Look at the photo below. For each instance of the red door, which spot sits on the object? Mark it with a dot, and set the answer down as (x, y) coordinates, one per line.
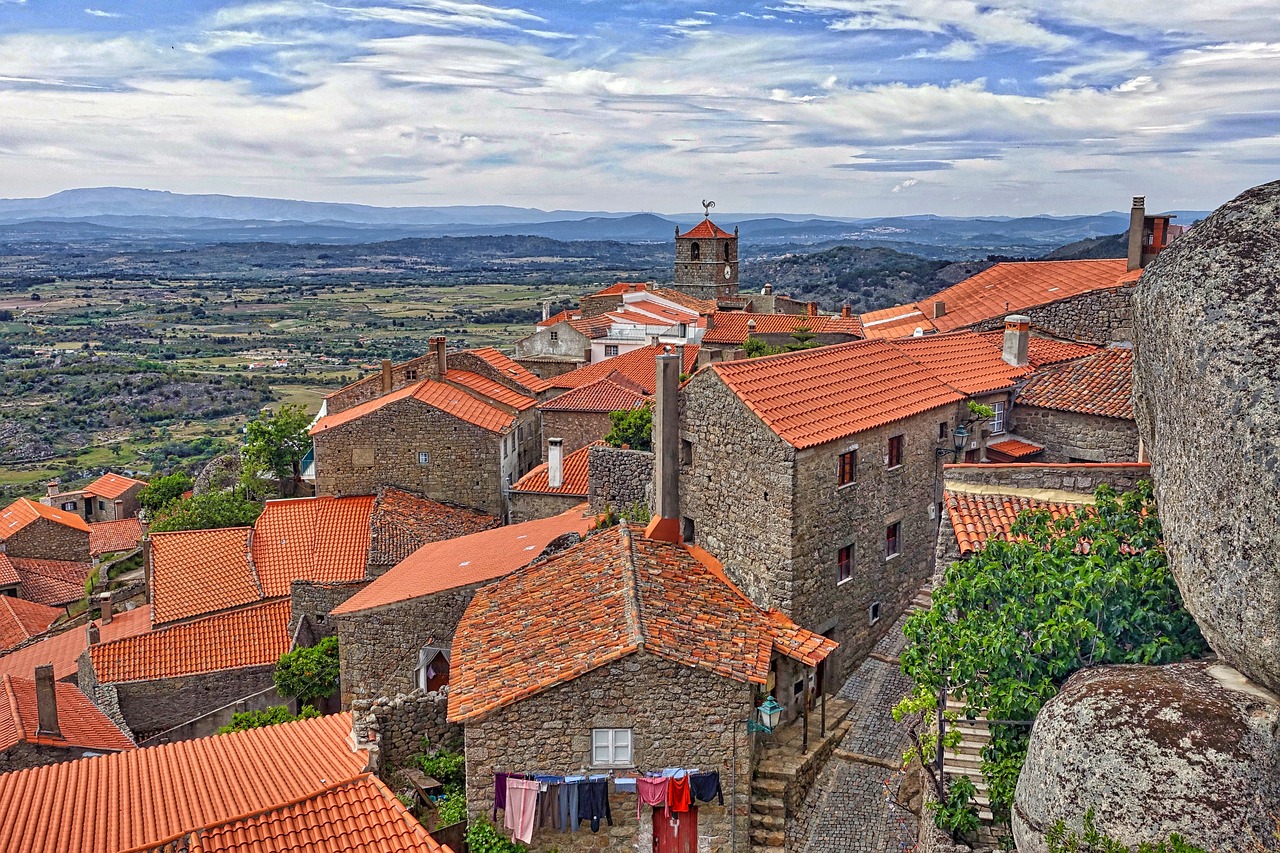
(677, 833)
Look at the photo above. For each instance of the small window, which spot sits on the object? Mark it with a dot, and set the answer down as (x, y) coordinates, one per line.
(610, 350)
(873, 613)
(432, 672)
(555, 336)
(894, 458)
(892, 541)
(69, 506)
(687, 530)
(997, 420)
(848, 467)
(411, 375)
(611, 748)
(798, 688)
(520, 434)
(844, 564)
(726, 251)
(686, 452)
(944, 430)
(102, 505)
(695, 252)
(424, 458)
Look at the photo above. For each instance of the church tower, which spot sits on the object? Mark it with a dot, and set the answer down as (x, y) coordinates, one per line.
(707, 259)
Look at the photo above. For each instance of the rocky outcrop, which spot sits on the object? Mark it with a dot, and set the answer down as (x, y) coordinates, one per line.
(219, 474)
(1190, 748)
(1207, 394)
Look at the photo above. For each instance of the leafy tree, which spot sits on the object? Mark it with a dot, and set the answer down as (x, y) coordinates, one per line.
(243, 720)
(309, 673)
(754, 348)
(804, 339)
(157, 495)
(1010, 623)
(206, 512)
(633, 427)
(274, 445)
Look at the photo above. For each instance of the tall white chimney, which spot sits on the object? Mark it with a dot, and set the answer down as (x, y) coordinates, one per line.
(666, 521)
(555, 462)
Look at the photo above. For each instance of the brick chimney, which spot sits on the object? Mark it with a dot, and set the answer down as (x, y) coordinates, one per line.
(146, 564)
(46, 702)
(104, 608)
(387, 380)
(666, 450)
(846, 311)
(442, 360)
(51, 489)
(1137, 219)
(555, 462)
(1017, 337)
(939, 309)
(813, 309)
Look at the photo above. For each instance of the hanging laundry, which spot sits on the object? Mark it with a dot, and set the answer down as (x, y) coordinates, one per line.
(521, 809)
(570, 796)
(624, 785)
(593, 803)
(650, 792)
(678, 799)
(500, 791)
(705, 786)
(548, 805)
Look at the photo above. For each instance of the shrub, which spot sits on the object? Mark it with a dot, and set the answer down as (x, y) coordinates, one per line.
(206, 512)
(633, 428)
(243, 720)
(452, 809)
(483, 837)
(310, 672)
(1090, 840)
(157, 495)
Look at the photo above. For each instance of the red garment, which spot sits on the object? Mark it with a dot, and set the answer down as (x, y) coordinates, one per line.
(650, 792)
(678, 797)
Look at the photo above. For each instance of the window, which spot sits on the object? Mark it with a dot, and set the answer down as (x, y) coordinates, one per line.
(894, 457)
(611, 747)
(610, 350)
(848, 467)
(520, 433)
(686, 452)
(555, 336)
(102, 505)
(69, 506)
(433, 669)
(873, 613)
(695, 252)
(726, 252)
(892, 545)
(944, 430)
(844, 565)
(687, 530)
(424, 458)
(411, 375)
(997, 420)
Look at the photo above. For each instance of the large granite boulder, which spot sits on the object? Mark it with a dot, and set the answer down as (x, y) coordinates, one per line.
(1191, 748)
(1207, 394)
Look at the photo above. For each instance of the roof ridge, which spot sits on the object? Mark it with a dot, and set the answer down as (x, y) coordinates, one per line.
(253, 566)
(630, 589)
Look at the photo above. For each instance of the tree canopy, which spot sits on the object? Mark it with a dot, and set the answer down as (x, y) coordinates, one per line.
(633, 428)
(157, 495)
(309, 673)
(274, 444)
(207, 511)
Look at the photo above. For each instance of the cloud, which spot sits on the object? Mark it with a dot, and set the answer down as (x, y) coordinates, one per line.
(905, 185)
(98, 13)
(896, 166)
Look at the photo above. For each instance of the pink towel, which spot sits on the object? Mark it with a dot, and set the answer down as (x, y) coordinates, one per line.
(650, 792)
(522, 808)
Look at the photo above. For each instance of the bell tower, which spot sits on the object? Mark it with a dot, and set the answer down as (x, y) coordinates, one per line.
(707, 259)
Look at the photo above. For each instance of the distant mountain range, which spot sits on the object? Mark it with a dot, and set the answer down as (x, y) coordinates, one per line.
(114, 215)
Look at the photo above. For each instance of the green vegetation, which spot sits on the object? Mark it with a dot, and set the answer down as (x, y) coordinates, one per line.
(1010, 623)
(452, 809)
(445, 765)
(754, 348)
(1090, 840)
(309, 673)
(242, 720)
(162, 492)
(484, 837)
(206, 512)
(632, 428)
(637, 514)
(274, 445)
(802, 338)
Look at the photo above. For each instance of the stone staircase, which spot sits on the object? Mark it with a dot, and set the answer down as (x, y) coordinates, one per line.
(966, 759)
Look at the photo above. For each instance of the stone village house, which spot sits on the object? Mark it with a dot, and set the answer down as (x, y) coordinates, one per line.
(44, 553)
(43, 721)
(111, 497)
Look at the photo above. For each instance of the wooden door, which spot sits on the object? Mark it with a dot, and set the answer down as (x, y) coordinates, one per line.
(677, 833)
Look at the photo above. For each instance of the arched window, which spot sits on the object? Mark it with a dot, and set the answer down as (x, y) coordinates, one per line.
(695, 252)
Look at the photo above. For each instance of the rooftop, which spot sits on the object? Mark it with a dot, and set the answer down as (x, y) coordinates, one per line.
(613, 393)
(495, 391)
(52, 582)
(706, 229)
(63, 650)
(81, 723)
(454, 401)
(200, 571)
(21, 620)
(637, 366)
(112, 486)
(402, 522)
(466, 560)
(511, 369)
(22, 512)
(316, 539)
(1014, 448)
(983, 514)
(1042, 351)
(966, 361)
(574, 475)
(109, 537)
(733, 327)
(601, 600)
(1099, 384)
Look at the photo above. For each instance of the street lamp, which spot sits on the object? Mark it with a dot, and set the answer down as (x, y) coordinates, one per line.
(959, 436)
(770, 714)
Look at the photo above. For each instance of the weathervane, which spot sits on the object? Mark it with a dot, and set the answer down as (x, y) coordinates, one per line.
(706, 208)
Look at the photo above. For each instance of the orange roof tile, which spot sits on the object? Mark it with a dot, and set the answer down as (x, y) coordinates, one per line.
(112, 486)
(402, 522)
(200, 571)
(620, 287)
(81, 723)
(359, 411)
(486, 387)
(22, 512)
(610, 394)
(733, 327)
(693, 303)
(599, 601)
(1014, 448)
(900, 321)
(975, 518)
(448, 399)
(316, 539)
(8, 574)
(562, 317)
(574, 480)
(51, 581)
(467, 560)
(108, 537)
(126, 800)
(649, 312)
(638, 366)
(964, 360)
(1042, 351)
(504, 365)
(593, 327)
(706, 229)
(1100, 384)
(818, 395)
(252, 636)
(63, 650)
(21, 620)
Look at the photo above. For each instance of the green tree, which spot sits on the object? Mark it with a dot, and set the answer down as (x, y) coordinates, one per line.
(242, 720)
(803, 338)
(633, 427)
(1010, 623)
(754, 348)
(274, 445)
(208, 511)
(309, 673)
(157, 495)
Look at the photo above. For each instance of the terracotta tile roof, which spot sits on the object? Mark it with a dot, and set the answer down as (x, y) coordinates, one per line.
(493, 390)
(112, 486)
(638, 366)
(610, 394)
(22, 512)
(200, 571)
(109, 537)
(819, 395)
(82, 724)
(593, 327)
(252, 636)
(574, 475)
(1015, 449)
(448, 399)
(693, 303)
(317, 539)
(975, 518)
(402, 522)
(651, 312)
(51, 581)
(63, 650)
(144, 797)
(900, 321)
(467, 560)
(731, 327)
(620, 287)
(507, 367)
(966, 361)
(21, 620)
(1100, 384)
(706, 229)
(599, 601)
(359, 814)
(562, 317)
(8, 574)
(1042, 351)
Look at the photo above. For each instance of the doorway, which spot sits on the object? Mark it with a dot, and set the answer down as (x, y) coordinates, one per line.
(677, 833)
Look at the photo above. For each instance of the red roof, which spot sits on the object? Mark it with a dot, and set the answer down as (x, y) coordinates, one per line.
(650, 311)
(250, 637)
(574, 479)
(620, 287)
(402, 522)
(975, 518)
(733, 327)
(1101, 384)
(447, 398)
(200, 571)
(704, 230)
(8, 574)
(511, 369)
(1042, 351)
(108, 537)
(81, 723)
(1015, 449)
(316, 539)
(491, 389)
(49, 581)
(638, 366)
(599, 601)
(111, 486)
(818, 395)
(21, 620)
(899, 321)
(611, 394)
(966, 361)
(63, 650)
(466, 560)
(562, 317)
(22, 512)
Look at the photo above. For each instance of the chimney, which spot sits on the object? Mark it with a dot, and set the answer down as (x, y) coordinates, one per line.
(146, 564)
(104, 608)
(813, 309)
(939, 309)
(846, 311)
(711, 321)
(387, 381)
(92, 634)
(442, 360)
(555, 462)
(546, 309)
(1017, 335)
(46, 702)
(51, 489)
(767, 289)
(1137, 219)
(119, 502)
(666, 450)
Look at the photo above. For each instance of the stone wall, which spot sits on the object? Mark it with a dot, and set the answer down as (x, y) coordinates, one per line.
(1076, 437)
(1032, 475)
(311, 601)
(619, 478)
(578, 429)
(679, 717)
(546, 367)
(208, 723)
(1103, 316)
(378, 648)
(392, 727)
(25, 755)
(151, 707)
(370, 388)
(43, 539)
(527, 506)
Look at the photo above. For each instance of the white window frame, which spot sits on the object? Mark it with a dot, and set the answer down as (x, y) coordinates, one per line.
(608, 347)
(68, 506)
(997, 420)
(873, 613)
(424, 457)
(897, 540)
(852, 552)
(612, 747)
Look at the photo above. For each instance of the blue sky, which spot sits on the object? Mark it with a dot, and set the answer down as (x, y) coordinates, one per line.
(844, 107)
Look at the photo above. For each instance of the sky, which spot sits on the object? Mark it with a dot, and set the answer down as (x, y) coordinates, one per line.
(836, 107)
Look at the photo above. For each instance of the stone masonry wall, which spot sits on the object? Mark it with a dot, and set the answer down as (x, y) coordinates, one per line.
(619, 478)
(370, 388)
(43, 539)
(24, 755)
(312, 601)
(1076, 437)
(378, 649)
(1105, 316)
(568, 343)
(578, 429)
(392, 727)
(527, 506)
(150, 707)
(1072, 478)
(679, 717)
